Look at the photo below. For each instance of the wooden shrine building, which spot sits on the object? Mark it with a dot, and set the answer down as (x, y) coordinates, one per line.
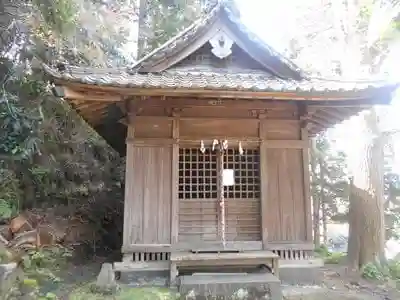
(214, 85)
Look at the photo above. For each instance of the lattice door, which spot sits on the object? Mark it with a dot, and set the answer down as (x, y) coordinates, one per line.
(243, 206)
(198, 195)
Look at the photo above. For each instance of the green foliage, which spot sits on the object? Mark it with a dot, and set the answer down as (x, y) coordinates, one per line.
(329, 185)
(333, 169)
(332, 187)
(83, 32)
(322, 251)
(43, 264)
(18, 118)
(165, 19)
(372, 271)
(59, 15)
(6, 209)
(48, 154)
(40, 267)
(85, 293)
(334, 258)
(10, 193)
(328, 256)
(387, 271)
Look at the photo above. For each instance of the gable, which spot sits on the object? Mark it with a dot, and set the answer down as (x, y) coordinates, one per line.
(204, 60)
(207, 32)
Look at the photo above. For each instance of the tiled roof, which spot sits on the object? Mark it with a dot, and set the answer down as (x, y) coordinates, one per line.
(211, 80)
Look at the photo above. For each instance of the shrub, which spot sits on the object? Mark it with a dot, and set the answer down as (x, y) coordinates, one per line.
(334, 258)
(322, 251)
(375, 271)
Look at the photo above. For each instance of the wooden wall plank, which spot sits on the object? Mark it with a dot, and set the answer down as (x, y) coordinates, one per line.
(201, 127)
(285, 195)
(281, 130)
(273, 213)
(198, 220)
(211, 128)
(152, 127)
(148, 202)
(149, 179)
(298, 206)
(286, 205)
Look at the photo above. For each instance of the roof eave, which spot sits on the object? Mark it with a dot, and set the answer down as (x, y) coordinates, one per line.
(373, 96)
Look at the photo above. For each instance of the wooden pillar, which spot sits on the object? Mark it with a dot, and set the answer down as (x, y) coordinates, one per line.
(129, 189)
(264, 183)
(306, 180)
(175, 182)
(221, 196)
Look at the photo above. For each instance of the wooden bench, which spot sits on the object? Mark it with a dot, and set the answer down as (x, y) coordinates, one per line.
(247, 258)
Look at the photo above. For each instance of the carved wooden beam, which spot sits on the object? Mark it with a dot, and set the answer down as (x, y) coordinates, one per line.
(85, 95)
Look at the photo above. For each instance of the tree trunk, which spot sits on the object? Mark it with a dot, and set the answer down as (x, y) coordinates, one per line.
(316, 202)
(141, 44)
(366, 212)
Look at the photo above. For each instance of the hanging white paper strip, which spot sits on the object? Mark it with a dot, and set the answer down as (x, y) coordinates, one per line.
(202, 148)
(228, 177)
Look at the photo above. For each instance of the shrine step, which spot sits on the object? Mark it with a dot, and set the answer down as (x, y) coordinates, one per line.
(142, 273)
(230, 286)
(142, 266)
(301, 272)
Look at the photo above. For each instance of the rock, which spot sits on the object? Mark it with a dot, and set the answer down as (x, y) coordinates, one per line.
(241, 294)
(191, 295)
(106, 282)
(3, 242)
(9, 274)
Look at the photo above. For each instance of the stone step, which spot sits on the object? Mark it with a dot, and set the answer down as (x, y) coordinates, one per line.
(142, 266)
(230, 286)
(301, 272)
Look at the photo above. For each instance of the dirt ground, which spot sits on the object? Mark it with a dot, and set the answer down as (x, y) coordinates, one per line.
(338, 284)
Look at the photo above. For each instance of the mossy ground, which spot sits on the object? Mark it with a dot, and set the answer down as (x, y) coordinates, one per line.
(125, 293)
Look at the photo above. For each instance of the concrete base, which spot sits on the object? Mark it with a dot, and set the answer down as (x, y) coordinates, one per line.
(307, 272)
(144, 278)
(230, 286)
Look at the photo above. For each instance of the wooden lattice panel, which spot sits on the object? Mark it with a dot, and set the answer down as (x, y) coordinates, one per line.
(243, 199)
(197, 174)
(247, 174)
(198, 195)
